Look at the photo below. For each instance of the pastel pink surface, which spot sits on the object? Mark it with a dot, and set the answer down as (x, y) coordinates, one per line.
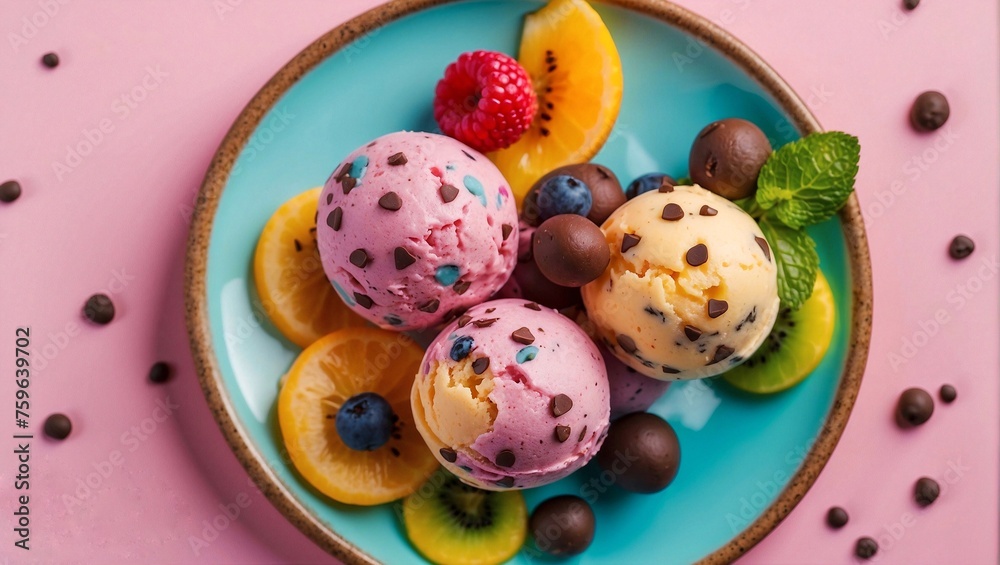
(118, 221)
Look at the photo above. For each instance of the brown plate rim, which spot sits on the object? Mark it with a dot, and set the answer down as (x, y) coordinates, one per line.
(196, 305)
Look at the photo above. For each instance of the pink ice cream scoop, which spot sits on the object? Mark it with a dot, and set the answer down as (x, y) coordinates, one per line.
(415, 227)
(512, 395)
(631, 391)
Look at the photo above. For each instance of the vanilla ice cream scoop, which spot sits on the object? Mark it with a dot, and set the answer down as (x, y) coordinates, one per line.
(691, 289)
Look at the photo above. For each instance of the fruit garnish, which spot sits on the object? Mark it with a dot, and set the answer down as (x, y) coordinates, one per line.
(563, 194)
(577, 74)
(293, 289)
(485, 100)
(794, 348)
(325, 376)
(802, 183)
(365, 422)
(452, 523)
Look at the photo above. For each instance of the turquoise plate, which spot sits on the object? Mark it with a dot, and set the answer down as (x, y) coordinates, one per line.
(746, 460)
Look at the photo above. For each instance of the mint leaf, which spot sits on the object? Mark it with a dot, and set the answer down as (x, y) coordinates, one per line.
(794, 253)
(809, 180)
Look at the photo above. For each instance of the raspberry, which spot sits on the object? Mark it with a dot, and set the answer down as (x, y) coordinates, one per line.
(485, 100)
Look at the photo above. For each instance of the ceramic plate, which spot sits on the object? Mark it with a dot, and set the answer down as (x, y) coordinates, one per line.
(746, 460)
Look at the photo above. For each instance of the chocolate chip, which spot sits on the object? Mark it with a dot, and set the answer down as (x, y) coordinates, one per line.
(961, 247)
(505, 231)
(717, 308)
(403, 258)
(343, 172)
(692, 333)
(910, 4)
(523, 336)
(583, 433)
(697, 255)
(348, 184)
(50, 60)
(57, 426)
(463, 320)
(430, 306)
(562, 433)
(390, 201)
(926, 491)
(763, 246)
(298, 246)
(10, 191)
(468, 155)
(448, 193)
(359, 258)
(672, 212)
(948, 394)
(363, 300)
(448, 454)
(666, 184)
(930, 111)
(480, 365)
(629, 241)
(461, 286)
(329, 199)
(707, 210)
(490, 310)
(505, 482)
(915, 407)
(334, 218)
(485, 322)
(866, 548)
(627, 343)
(533, 306)
(99, 309)
(505, 458)
(721, 353)
(159, 372)
(560, 405)
(669, 370)
(397, 159)
(836, 517)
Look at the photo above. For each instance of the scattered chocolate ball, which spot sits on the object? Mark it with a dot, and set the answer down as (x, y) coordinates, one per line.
(930, 111)
(836, 517)
(948, 394)
(961, 247)
(50, 60)
(57, 426)
(10, 191)
(529, 283)
(562, 526)
(605, 190)
(99, 309)
(726, 157)
(159, 372)
(914, 408)
(866, 548)
(926, 491)
(656, 453)
(910, 4)
(570, 250)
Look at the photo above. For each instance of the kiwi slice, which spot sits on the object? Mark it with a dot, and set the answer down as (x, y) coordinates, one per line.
(797, 343)
(452, 523)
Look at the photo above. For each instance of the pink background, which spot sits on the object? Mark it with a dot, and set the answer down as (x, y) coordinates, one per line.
(118, 219)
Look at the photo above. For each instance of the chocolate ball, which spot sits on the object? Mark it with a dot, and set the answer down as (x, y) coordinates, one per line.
(948, 394)
(604, 187)
(57, 426)
(866, 548)
(926, 491)
(529, 283)
(726, 157)
(930, 111)
(915, 407)
(562, 526)
(99, 309)
(10, 191)
(570, 250)
(836, 517)
(642, 452)
(961, 246)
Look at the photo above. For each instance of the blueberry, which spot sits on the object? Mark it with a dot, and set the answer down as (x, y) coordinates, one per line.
(563, 194)
(365, 422)
(461, 348)
(647, 183)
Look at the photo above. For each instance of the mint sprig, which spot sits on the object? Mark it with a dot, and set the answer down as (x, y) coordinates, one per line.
(795, 256)
(809, 180)
(802, 183)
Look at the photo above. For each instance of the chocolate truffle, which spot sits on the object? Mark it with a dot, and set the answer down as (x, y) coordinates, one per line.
(562, 526)
(604, 187)
(656, 453)
(926, 491)
(930, 111)
(914, 408)
(570, 250)
(727, 156)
